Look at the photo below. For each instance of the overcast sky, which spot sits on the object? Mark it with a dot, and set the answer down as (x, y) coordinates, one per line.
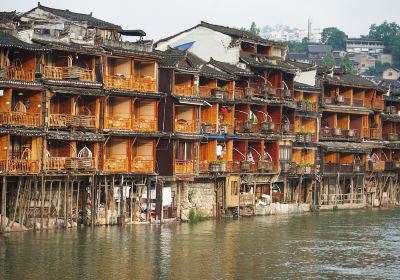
(161, 18)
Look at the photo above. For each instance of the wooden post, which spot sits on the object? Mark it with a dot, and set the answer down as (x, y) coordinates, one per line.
(112, 197)
(148, 200)
(3, 204)
(123, 206)
(42, 202)
(35, 203)
(16, 203)
(93, 198)
(178, 201)
(77, 202)
(132, 212)
(58, 202)
(66, 203)
(106, 197)
(71, 210)
(50, 203)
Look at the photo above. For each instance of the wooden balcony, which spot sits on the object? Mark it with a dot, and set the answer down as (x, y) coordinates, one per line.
(118, 122)
(337, 101)
(306, 137)
(378, 104)
(307, 107)
(69, 164)
(19, 119)
(142, 166)
(209, 128)
(205, 91)
(115, 165)
(66, 120)
(391, 136)
(144, 125)
(185, 126)
(19, 166)
(338, 168)
(184, 167)
(18, 74)
(185, 90)
(358, 102)
(246, 127)
(340, 133)
(372, 133)
(73, 73)
(392, 165)
(130, 83)
(378, 166)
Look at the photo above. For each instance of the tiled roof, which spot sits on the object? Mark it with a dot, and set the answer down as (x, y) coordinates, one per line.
(302, 66)
(91, 21)
(296, 56)
(10, 41)
(264, 62)
(230, 68)
(319, 48)
(305, 87)
(209, 71)
(7, 16)
(351, 80)
(180, 60)
(349, 147)
(68, 46)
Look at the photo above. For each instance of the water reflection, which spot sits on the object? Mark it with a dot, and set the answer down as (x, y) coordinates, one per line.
(354, 244)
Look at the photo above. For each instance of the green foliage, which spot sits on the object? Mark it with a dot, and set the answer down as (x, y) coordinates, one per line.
(191, 194)
(389, 33)
(335, 208)
(194, 218)
(254, 29)
(346, 63)
(329, 60)
(377, 70)
(334, 37)
(385, 31)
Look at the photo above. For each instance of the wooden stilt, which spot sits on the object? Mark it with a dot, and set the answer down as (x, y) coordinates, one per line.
(65, 203)
(148, 201)
(132, 212)
(112, 198)
(11, 222)
(77, 202)
(35, 203)
(106, 197)
(58, 201)
(27, 200)
(98, 197)
(50, 203)
(92, 204)
(3, 204)
(42, 202)
(71, 210)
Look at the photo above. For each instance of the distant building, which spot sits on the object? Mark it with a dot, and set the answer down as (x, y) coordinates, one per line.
(364, 45)
(286, 33)
(362, 62)
(391, 73)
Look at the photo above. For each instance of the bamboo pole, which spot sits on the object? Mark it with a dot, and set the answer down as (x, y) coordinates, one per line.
(106, 197)
(16, 203)
(58, 201)
(71, 210)
(112, 197)
(65, 203)
(27, 201)
(77, 203)
(92, 198)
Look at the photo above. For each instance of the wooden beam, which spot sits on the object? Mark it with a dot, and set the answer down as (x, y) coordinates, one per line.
(3, 204)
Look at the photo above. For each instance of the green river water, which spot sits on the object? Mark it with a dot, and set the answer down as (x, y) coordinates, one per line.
(329, 245)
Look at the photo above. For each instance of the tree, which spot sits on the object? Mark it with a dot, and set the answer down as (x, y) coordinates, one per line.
(385, 32)
(348, 65)
(329, 60)
(254, 29)
(334, 37)
(377, 70)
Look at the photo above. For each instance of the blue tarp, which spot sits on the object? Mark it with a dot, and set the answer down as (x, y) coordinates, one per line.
(184, 47)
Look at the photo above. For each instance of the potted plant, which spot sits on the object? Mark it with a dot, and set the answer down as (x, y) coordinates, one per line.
(351, 133)
(219, 92)
(247, 125)
(222, 165)
(307, 137)
(206, 127)
(214, 166)
(245, 165)
(300, 136)
(224, 129)
(304, 168)
(339, 99)
(249, 92)
(336, 131)
(310, 106)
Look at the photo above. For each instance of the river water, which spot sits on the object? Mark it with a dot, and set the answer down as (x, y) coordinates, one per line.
(345, 244)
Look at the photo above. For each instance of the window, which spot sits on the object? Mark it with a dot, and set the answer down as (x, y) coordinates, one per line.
(234, 188)
(285, 153)
(390, 74)
(184, 151)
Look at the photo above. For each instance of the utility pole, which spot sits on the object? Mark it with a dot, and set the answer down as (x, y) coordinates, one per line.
(309, 29)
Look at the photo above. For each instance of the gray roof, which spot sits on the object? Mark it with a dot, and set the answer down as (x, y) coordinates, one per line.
(230, 68)
(349, 147)
(91, 21)
(180, 60)
(10, 41)
(319, 48)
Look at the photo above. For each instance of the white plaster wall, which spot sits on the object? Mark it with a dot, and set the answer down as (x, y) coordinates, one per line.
(208, 43)
(307, 77)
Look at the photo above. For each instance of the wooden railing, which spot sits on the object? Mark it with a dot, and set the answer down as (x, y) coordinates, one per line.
(185, 126)
(66, 120)
(130, 83)
(209, 128)
(340, 133)
(116, 165)
(306, 138)
(19, 119)
(205, 91)
(144, 125)
(19, 166)
(246, 126)
(142, 166)
(338, 167)
(63, 73)
(185, 90)
(16, 73)
(184, 167)
(307, 107)
(333, 199)
(372, 133)
(69, 163)
(333, 101)
(122, 121)
(378, 166)
(358, 102)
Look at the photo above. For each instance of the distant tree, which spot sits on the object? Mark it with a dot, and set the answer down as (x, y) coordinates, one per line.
(377, 70)
(254, 29)
(348, 65)
(385, 31)
(329, 60)
(305, 41)
(296, 46)
(334, 37)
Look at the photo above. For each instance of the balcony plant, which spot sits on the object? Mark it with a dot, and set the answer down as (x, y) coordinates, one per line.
(268, 90)
(267, 125)
(224, 129)
(247, 125)
(214, 166)
(304, 168)
(219, 92)
(206, 127)
(286, 93)
(337, 131)
(351, 133)
(285, 125)
(221, 164)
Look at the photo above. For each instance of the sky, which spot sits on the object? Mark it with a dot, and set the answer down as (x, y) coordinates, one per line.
(162, 18)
